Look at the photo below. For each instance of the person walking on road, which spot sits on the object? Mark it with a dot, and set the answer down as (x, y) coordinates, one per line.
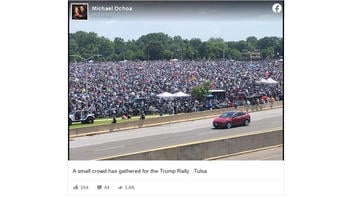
(257, 104)
(247, 105)
(261, 104)
(272, 100)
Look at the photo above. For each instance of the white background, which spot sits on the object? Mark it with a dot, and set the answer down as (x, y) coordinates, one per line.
(223, 178)
(34, 109)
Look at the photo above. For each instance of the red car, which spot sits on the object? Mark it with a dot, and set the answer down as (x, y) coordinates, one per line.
(232, 118)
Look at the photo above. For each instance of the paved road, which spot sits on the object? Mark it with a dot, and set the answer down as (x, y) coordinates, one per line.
(117, 143)
(267, 154)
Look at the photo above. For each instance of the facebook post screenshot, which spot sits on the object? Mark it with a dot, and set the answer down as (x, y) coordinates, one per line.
(175, 98)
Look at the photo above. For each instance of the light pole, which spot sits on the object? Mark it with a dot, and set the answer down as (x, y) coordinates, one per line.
(181, 53)
(223, 54)
(180, 50)
(148, 53)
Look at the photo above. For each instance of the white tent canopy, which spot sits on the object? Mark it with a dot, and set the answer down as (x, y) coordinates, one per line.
(261, 81)
(181, 94)
(268, 81)
(165, 95)
(271, 81)
(216, 90)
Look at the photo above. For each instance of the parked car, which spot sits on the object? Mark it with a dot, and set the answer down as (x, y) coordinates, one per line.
(232, 118)
(85, 117)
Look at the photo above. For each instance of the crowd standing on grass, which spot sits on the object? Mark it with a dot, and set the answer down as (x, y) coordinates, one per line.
(131, 87)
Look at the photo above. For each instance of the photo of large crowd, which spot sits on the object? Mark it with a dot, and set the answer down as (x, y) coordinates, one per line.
(128, 88)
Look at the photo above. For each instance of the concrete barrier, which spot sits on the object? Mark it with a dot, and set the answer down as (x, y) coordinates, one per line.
(157, 121)
(210, 148)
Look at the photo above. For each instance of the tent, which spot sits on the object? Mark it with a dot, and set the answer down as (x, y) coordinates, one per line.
(165, 95)
(262, 81)
(271, 81)
(217, 91)
(254, 96)
(181, 94)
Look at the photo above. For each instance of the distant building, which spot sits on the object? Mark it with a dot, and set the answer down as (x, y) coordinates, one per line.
(247, 55)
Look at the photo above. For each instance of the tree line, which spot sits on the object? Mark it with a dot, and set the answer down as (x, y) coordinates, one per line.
(160, 46)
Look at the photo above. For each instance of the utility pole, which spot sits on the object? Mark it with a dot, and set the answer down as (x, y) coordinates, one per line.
(148, 54)
(223, 54)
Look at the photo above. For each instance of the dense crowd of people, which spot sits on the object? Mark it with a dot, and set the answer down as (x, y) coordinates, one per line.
(131, 87)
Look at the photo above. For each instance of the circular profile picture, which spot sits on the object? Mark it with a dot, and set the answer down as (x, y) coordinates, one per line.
(79, 11)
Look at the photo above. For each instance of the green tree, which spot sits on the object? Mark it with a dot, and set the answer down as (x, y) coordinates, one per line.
(167, 54)
(106, 48)
(153, 51)
(267, 53)
(216, 47)
(72, 49)
(196, 43)
(140, 55)
(278, 48)
(267, 42)
(154, 45)
(160, 46)
(242, 45)
(200, 92)
(234, 54)
(119, 48)
(252, 40)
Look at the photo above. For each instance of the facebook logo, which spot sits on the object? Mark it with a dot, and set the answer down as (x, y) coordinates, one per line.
(277, 8)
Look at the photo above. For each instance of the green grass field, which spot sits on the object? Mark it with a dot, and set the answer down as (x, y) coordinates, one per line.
(105, 121)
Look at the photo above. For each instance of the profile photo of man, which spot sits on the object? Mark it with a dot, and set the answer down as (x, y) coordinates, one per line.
(79, 12)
